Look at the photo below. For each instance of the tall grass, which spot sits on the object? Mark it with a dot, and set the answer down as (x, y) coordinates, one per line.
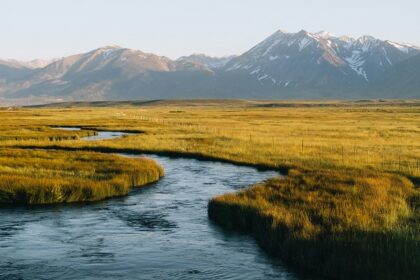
(378, 137)
(45, 177)
(348, 207)
(348, 224)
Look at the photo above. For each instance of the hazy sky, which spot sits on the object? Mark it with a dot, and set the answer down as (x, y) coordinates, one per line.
(54, 28)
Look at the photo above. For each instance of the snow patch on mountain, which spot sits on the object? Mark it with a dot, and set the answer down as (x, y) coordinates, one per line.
(107, 53)
(324, 34)
(265, 76)
(234, 67)
(365, 56)
(402, 47)
(368, 42)
(271, 47)
(255, 71)
(304, 43)
(386, 56)
(356, 62)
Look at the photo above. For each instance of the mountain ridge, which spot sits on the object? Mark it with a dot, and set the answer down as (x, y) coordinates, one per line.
(284, 65)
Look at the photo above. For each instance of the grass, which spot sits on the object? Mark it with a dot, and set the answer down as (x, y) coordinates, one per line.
(384, 138)
(348, 225)
(24, 133)
(349, 207)
(46, 177)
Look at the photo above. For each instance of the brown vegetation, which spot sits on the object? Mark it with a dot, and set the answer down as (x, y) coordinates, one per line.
(349, 206)
(45, 177)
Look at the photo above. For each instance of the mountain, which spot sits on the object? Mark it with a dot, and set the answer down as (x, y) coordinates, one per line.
(12, 69)
(318, 64)
(209, 61)
(109, 72)
(37, 63)
(12, 72)
(284, 65)
(403, 77)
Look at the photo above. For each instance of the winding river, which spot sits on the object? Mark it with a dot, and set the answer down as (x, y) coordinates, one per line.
(157, 232)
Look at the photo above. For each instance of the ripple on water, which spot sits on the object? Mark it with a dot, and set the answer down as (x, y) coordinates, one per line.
(157, 232)
(147, 220)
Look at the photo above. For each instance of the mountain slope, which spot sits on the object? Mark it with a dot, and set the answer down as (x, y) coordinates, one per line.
(12, 73)
(290, 63)
(300, 65)
(208, 61)
(12, 70)
(105, 73)
(402, 78)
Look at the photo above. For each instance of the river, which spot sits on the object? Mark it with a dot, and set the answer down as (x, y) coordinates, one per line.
(157, 232)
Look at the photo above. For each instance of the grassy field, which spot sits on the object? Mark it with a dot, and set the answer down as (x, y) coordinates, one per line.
(349, 207)
(346, 224)
(45, 177)
(382, 137)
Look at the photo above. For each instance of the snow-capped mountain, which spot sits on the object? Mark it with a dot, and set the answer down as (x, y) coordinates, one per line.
(319, 60)
(284, 65)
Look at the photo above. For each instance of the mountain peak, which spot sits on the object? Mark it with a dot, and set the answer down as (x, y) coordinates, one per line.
(296, 65)
(355, 61)
(324, 34)
(366, 39)
(346, 39)
(303, 32)
(402, 47)
(281, 31)
(110, 47)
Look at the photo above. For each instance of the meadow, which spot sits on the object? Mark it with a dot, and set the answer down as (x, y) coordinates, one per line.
(30, 177)
(349, 207)
(379, 136)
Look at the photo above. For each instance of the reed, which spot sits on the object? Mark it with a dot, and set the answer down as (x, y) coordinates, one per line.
(384, 138)
(349, 224)
(349, 207)
(46, 177)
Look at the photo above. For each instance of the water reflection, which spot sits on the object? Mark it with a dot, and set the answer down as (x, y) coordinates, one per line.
(158, 232)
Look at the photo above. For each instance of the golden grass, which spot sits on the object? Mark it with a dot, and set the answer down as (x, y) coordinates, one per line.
(382, 138)
(348, 225)
(45, 177)
(348, 207)
(328, 202)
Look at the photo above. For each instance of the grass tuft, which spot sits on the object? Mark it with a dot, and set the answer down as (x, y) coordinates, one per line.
(347, 224)
(45, 177)
(348, 208)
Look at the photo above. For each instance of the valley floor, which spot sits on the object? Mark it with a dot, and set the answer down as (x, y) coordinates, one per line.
(349, 207)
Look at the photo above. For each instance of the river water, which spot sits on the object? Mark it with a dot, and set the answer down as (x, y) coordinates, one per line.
(157, 232)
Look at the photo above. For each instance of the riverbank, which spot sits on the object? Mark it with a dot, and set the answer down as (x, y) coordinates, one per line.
(158, 232)
(347, 224)
(29, 177)
(324, 220)
(349, 165)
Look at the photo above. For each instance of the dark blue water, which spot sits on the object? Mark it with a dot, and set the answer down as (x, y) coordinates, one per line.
(157, 232)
